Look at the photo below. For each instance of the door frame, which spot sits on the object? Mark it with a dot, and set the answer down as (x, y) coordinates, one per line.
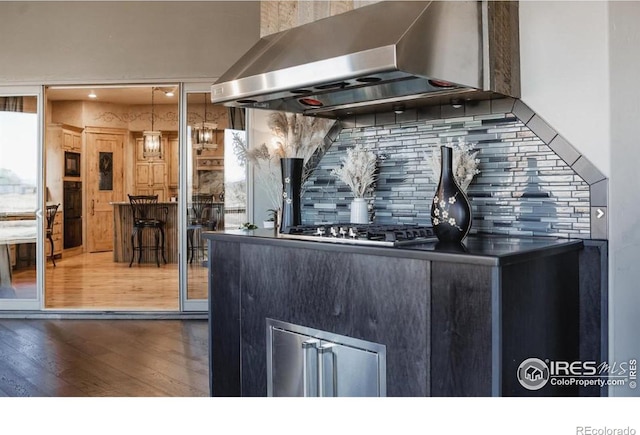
(186, 304)
(38, 302)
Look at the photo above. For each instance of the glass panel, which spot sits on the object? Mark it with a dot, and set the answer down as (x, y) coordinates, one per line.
(235, 179)
(216, 193)
(95, 159)
(18, 198)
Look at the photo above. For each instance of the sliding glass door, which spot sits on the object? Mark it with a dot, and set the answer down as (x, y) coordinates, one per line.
(23, 221)
(213, 187)
(207, 187)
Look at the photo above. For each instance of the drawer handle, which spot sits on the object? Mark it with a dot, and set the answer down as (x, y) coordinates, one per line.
(326, 370)
(310, 367)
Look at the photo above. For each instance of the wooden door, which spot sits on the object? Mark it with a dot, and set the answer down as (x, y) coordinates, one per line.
(104, 185)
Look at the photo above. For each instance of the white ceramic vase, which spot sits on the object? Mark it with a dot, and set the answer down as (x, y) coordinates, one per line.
(268, 224)
(359, 211)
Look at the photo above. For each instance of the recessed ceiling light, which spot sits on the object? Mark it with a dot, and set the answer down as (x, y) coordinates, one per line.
(92, 95)
(169, 93)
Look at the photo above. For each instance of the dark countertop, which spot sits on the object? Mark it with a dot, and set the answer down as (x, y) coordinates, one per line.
(486, 250)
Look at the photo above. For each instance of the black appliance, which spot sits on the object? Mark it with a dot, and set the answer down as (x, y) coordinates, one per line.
(72, 214)
(71, 164)
(363, 234)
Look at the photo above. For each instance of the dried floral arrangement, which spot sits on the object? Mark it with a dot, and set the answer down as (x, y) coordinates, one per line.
(358, 170)
(465, 163)
(295, 136)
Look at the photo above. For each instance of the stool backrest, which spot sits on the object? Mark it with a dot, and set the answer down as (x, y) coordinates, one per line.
(51, 215)
(201, 203)
(141, 205)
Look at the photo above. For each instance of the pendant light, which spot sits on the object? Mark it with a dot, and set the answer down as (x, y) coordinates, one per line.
(152, 138)
(205, 136)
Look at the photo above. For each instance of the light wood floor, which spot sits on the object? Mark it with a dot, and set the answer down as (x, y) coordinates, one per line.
(108, 358)
(95, 282)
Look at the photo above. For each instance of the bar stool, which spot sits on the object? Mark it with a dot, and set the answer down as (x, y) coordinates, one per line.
(200, 217)
(51, 217)
(145, 209)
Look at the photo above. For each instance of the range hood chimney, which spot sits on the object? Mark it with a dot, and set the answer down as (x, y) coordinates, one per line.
(380, 57)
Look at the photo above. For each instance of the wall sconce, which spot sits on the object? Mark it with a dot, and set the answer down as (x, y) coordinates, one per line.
(152, 146)
(205, 136)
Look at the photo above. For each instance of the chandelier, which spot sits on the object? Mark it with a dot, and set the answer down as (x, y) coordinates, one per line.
(152, 139)
(205, 135)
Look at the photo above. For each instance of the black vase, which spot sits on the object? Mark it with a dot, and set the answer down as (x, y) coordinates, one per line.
(291, 185)
(450, 209)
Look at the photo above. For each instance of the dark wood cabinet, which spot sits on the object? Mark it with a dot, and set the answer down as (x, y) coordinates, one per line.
(453, 324)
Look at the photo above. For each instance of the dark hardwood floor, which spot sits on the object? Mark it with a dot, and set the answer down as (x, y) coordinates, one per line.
(108, 358)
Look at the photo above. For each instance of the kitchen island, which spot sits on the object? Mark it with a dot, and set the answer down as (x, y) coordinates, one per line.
(456, 321)
(123, 227)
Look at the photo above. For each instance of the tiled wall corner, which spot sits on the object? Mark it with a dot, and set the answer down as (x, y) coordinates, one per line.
(524, 187)
(564, 150)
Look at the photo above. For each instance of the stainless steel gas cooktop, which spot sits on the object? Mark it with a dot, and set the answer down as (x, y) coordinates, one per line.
(363, 234)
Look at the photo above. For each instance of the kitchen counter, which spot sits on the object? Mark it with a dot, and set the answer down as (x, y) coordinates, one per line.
(453, 323)
(485, 250)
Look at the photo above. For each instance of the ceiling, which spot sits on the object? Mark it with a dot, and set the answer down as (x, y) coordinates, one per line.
(125, 94)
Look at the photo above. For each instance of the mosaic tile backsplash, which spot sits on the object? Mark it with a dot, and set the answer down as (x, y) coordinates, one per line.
(523, 187)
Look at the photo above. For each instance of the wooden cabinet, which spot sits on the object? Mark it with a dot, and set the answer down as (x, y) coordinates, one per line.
(72, 140)
(57, 236)
(54, 163)
(173, 148)
(151, 173)
(59, 138)
(460, 323)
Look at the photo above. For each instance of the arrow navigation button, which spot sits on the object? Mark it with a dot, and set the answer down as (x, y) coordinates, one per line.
(599, 213)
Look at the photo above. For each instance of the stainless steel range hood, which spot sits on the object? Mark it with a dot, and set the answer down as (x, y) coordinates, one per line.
(385, 56)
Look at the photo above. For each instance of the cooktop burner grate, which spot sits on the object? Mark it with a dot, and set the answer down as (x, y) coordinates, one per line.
(372, 234)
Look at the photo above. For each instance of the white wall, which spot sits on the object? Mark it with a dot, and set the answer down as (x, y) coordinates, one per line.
(580, 65)
(624, 183)
(565, 74)
(80, 42)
